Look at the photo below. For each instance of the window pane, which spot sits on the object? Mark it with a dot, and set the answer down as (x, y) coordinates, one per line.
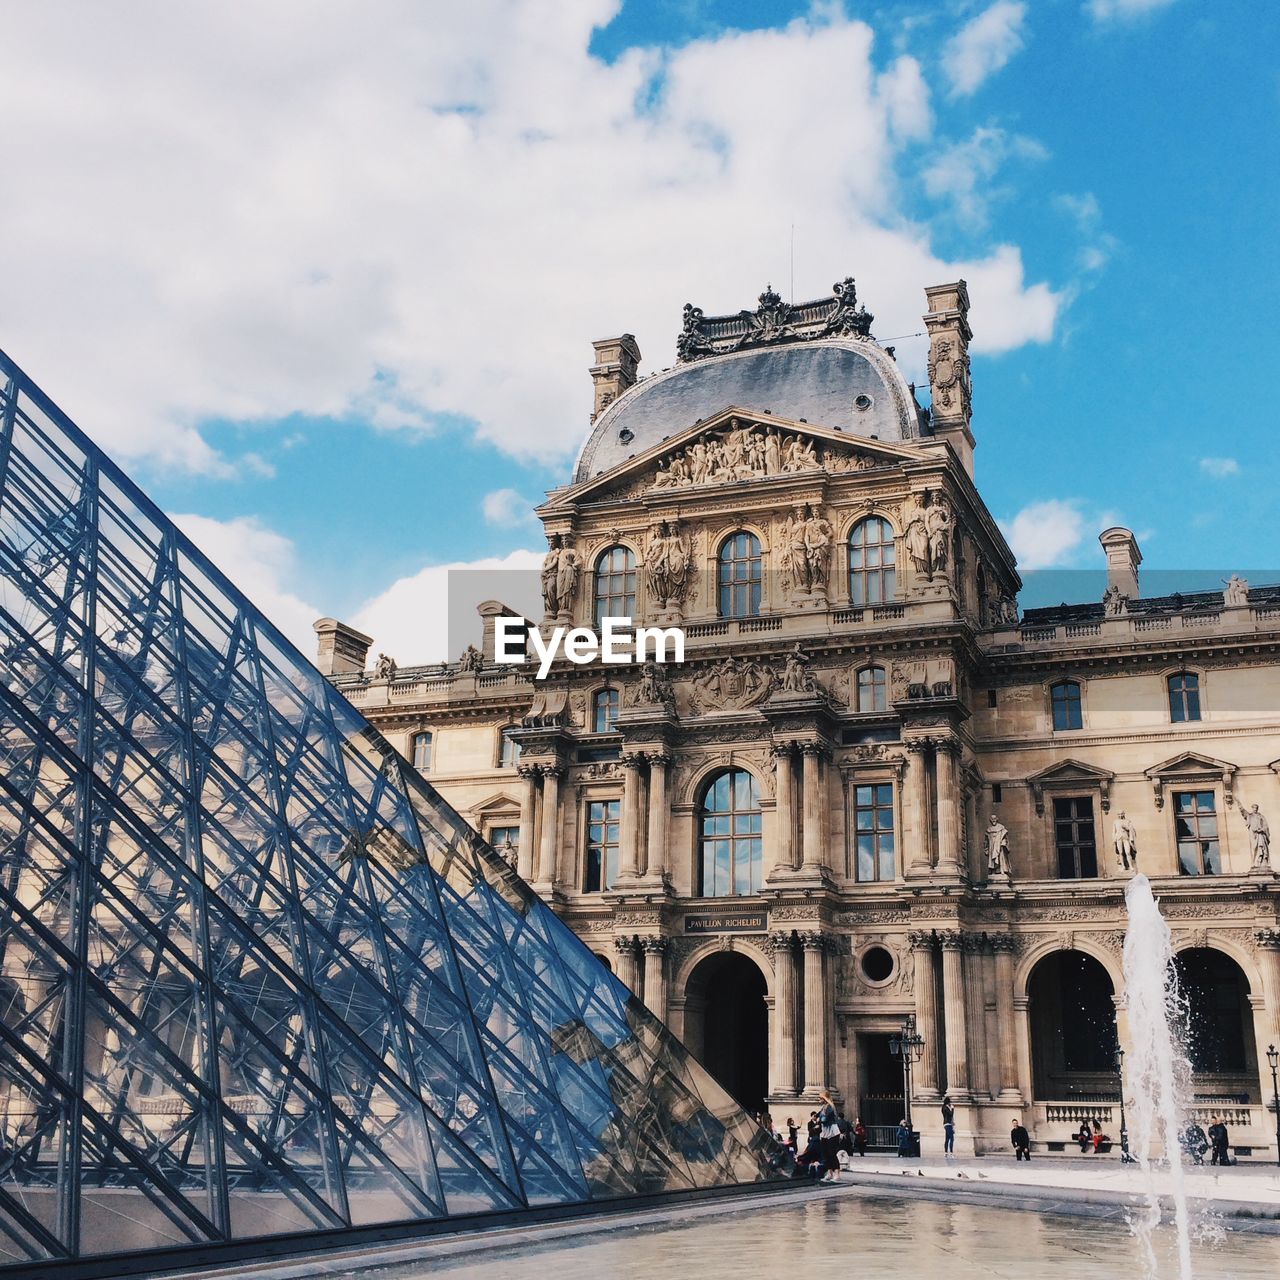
(731, 823)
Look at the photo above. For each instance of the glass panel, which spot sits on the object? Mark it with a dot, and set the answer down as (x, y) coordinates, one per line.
(292, 989)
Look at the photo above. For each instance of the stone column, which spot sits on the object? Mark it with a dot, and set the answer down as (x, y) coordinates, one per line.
(953, 1014)
(1005, 945)
(656, 852)
(655, 980)
(975, 963)
(915, 810)
(1022, 1038)
(926, 1072)
(784, 813)
(628, 951)
(546, 869)
(629, 850)
(528, 819)
(1268, 941)
(949, 823)
(783, 1072)
(815, 1013)
(813, 851)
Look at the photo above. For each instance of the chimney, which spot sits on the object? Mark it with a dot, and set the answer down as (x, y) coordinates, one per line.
(1123, 559)
(947, 321)
(614, 370)
(342, 649)
(489, 610)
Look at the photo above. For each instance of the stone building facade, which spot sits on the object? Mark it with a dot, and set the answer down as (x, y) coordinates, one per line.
(874, 790)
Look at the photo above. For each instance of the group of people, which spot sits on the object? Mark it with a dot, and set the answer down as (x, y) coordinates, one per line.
(1195, 1142)
(1090, 1136)
(828, 1136)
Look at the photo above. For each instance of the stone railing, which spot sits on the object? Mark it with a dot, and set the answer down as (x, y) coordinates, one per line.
(1130, 627)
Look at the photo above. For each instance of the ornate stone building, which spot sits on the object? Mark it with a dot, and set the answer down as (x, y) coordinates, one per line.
(873, 789)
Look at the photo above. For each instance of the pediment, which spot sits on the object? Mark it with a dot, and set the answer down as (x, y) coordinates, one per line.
(1069, 773)
(734, 446)
(1191, 767)
(501, 803)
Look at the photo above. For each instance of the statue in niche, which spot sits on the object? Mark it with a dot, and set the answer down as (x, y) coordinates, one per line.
(1259, 838)
(1235, 595)
(568, 570)
(938, 523)
(797, 556)
(917, 540)
(655, 688)
(928, 535)
(819, 538)
(997, 847)
(1125, 837)
(666, 561)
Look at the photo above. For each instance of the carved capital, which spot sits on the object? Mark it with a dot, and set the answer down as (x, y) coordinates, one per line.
(632, 759)
(951, 939)
(627, 945)
(782, 750)
(529, 770)
(655, 945)
(780, 944)
(818, 749)
(922, 939)
(1268, 939)
(1003, 942)
(659, 759)
(811, 940)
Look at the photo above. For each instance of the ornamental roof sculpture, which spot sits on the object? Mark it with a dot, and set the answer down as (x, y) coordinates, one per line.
(773, 321)
(256, 977)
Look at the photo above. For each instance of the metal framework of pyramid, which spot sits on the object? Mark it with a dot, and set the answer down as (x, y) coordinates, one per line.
(256, 977)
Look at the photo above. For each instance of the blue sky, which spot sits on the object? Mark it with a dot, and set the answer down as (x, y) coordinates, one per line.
(327, 282)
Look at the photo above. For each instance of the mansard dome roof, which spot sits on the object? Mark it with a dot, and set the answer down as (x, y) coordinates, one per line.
(813, 360)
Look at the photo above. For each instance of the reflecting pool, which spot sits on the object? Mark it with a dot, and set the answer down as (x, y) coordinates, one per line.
(853, 1234)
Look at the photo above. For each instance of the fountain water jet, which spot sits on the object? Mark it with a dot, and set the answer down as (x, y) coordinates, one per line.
(1156, 1068)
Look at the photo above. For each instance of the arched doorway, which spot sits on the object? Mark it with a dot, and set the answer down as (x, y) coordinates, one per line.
(1219, 1036)
(1073, 1027)
(727, 1025)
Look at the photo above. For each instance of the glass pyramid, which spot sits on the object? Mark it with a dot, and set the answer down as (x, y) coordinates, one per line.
(256, 977)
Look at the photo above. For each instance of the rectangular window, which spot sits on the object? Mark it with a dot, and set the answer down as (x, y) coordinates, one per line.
(1067, 711)
(1184, 697)
(873, 831)
(508, 751)
(422, 752)
(602, 844)
(1196, 827)
(997, 793)
(1075, 838)
(506, 840)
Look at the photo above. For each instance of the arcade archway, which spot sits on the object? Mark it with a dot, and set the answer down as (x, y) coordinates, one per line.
(1219, 1024)
(727, 1025)
(1072, 1010)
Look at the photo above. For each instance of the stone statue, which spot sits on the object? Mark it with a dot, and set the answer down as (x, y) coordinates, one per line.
(568, 570)
(819, 539)
(384, 668)
(748, 452)
(1114, 602)
(796, 676)
(550, 576)
(655, 689)
(1260, 838)
(1125, 837)
(917, 540)
(472, 659)
(507, 851)
(1236, 593)
(666, 563)
(797, 555)
(938, 523)
(997, 847)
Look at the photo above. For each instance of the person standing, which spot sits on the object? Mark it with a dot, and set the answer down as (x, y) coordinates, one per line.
(829, 1137)
(948, 1128)
(1021, 1140)
(904, 1138)
(1218, 1141)
(860, 1137)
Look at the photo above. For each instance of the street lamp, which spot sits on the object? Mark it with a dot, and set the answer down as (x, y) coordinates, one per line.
(908, 1045)
(1273, 1061)
(1125, 1157)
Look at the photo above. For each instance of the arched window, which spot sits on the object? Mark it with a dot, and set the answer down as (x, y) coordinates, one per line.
(615, 584)
(1067, 710)
(508, 751)
(604, 710)
(872, 689)
(1184, 697)
(732, 848)
(872, 557)
(740, 576)
(422, 751)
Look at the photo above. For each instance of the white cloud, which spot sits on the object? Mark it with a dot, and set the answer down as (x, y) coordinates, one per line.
(1220, 468)
(963, 172)
(1045, 534)
(1110, 10)
(407, 212)
(263, 564)
(982, 46)
(506, 508)
(430, 615)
